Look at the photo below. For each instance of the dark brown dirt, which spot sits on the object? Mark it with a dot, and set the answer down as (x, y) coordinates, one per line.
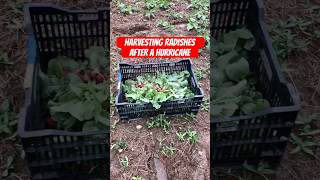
(303, 71)
(189, 161)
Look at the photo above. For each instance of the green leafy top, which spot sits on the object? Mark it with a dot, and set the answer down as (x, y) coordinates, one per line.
(157, 89)
(76, 92)
(233, 86)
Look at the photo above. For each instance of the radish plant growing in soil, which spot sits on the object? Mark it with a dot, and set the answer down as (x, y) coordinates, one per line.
(233, 88)
(156, 89)
(75, 93)
(8, 119)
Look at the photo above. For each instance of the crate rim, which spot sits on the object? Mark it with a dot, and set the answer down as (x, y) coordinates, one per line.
(117, 103)
(27, 6)
(51, 5)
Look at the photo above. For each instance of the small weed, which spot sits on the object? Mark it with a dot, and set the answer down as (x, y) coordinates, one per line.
(114, 125)
(17, 6)
(164, 24)
(167, 150)
(201, 72)
(190, 135)
(262, 169)
(125, 162)
(159, 121)
(285, 36)
(127, 9)
(246, 172)
(120, 145)
(8, 167)
(136, 178)
(181, 135)
(205, 105)
(193, 136)
(304, 119)
(152, 6)
(157, 4)
(150, 13)
(189, 116)
(175, 15)
(4, 58)
(8, 119)
(312, 8)
(302, 145)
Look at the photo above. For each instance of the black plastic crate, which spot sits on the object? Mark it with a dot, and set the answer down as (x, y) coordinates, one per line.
(264, 135)
(57, 154)
(128, 111)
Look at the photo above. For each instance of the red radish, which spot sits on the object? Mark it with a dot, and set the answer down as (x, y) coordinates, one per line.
(51, 122)
(139, 85)
(99, 78)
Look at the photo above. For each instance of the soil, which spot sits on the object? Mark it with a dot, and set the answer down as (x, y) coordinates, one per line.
(303, 71)
(190, 161)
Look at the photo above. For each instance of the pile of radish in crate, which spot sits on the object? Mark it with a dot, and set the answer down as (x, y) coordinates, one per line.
(75, 93)
(233, 88)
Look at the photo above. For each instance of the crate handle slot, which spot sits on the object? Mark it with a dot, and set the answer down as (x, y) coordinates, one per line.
(137, 66)
(181, 101)
(88, 17)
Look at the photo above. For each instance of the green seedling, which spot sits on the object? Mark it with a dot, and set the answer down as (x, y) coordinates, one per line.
(159, 121)
(127, 9)
(164, 24)
(285, 36)
(192, 136)
(189, 116)
(262, 169)
(181, 135)
(150, 13)
(303, 145)
(4, 58)
(205, 105)
(8, 119)
(157, 4)
(120, 145)
(8, 167)
(136, 178)
(175, 15)
(305, 124)
(168, 150)
(125, 162)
